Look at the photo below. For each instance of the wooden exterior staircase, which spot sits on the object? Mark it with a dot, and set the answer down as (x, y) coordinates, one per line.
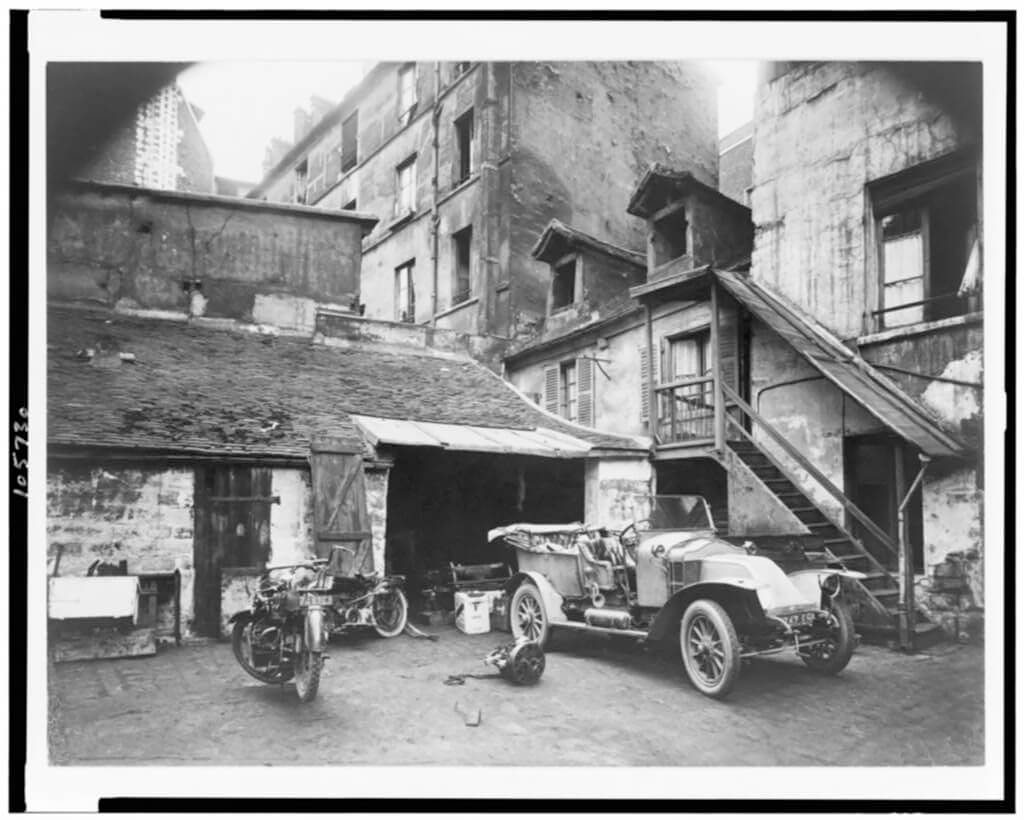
(876, 604)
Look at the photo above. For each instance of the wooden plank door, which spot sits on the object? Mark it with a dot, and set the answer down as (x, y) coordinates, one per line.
(232, 529)
(339, 507)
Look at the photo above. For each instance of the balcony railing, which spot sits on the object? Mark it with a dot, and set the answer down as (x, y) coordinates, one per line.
(686, 410)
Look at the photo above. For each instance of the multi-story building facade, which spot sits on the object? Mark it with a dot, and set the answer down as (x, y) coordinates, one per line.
(160, 148)
(466, 163)
(829, 386)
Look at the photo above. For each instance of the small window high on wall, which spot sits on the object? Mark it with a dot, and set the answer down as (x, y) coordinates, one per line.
(668, 236)
(464, 146)
(462, 242)
(926, 233)
(563, 283)
(350, 142)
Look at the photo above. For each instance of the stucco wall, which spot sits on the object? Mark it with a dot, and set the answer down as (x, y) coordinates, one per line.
(110, 245)
(617, 390)
(822, 132)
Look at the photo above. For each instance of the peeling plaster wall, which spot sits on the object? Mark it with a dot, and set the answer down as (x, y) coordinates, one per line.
(611, 488)
(753, 508)
(112, 513)
(122, 246)
(810, 412)
(377, 507)
(822, 132)
(951, 590)
(291, 521)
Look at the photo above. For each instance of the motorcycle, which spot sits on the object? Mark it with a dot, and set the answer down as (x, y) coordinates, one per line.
(372, 600)
(285, 631)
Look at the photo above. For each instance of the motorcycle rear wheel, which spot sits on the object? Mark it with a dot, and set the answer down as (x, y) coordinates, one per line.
(308, 666)
(241, 645)
(390, 613)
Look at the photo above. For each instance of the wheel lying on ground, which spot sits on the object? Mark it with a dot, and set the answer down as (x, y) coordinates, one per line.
(525, 664)
(831, 657)
(710, 648)
(242, 646)
(528, 618)
(390, 613)
(308, 666)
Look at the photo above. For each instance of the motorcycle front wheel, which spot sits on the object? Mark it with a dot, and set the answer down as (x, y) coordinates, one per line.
(242, 646)
(390, 613)
(308, 666)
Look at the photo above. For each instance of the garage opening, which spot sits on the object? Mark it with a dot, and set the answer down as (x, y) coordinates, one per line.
(697, 476)
(441, 504)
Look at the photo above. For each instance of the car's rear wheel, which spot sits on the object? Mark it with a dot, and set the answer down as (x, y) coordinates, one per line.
(832, 656)
(528, 617)
(710, 648)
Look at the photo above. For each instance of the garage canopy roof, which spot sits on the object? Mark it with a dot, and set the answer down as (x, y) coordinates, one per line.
(536, 442)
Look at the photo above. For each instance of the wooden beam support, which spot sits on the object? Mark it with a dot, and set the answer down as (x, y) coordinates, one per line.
(716, 372)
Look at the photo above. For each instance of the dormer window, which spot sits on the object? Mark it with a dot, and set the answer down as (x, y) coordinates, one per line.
(563, 282)
(668, 235)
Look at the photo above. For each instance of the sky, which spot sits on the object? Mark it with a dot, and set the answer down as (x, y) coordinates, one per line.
(246, 104)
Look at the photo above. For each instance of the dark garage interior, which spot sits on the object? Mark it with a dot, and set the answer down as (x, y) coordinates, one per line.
(441, 504)
(697, 476)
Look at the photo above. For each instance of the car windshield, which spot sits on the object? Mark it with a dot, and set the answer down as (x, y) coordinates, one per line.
(677, 512)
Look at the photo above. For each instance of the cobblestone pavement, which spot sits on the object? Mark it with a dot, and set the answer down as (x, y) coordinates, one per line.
(600, 702)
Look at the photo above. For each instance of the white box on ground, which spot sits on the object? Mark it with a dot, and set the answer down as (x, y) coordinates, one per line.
(472, 612)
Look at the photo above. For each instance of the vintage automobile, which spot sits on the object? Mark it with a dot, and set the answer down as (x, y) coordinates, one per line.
(669, 574)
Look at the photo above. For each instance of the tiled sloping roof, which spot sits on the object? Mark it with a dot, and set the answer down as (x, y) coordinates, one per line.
(878, 394)
(229, 391)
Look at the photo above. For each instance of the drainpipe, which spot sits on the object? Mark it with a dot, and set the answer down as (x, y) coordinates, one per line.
(490, 198)
(906, 610)
(435, 220)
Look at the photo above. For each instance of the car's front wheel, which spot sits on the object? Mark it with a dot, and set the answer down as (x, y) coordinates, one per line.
(710, 648)
(832, 656)
(528, 617)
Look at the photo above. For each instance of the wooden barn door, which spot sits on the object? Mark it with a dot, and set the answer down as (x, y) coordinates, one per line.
(339, 507)
(232, 529)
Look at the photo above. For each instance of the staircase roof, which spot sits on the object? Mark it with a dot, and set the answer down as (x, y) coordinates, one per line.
(848, 371)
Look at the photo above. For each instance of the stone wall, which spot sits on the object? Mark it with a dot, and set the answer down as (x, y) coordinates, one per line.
(124, 246)
(822, 132)
(613, 489)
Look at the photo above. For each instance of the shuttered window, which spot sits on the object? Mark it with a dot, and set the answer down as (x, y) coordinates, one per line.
(645, 377)
(350, 142)
(551, 389)
(569, 390)
(585, 391)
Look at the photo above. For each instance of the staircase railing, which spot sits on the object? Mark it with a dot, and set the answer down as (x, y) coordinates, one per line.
(854, 511)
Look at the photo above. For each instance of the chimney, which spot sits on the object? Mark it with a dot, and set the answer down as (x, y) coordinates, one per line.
(274, 153)
(302, 124)
(319, 108)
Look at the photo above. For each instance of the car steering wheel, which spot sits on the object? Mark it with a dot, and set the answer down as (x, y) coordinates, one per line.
(629, 536)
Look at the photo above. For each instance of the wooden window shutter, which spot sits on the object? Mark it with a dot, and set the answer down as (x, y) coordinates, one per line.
(585, 392)
(646, 375)
(551, 389)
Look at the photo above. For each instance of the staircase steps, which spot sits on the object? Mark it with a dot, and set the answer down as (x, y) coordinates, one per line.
(878, 582)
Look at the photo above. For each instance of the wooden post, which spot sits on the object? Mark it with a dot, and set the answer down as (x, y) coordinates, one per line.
(716, 370)
(652, 407)
(902, 613)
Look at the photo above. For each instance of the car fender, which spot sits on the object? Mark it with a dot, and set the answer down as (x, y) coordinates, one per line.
(808, 581)
(737, 595)
(549, 595)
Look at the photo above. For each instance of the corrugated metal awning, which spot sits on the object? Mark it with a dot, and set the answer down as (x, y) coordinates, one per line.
(880, 396)
(537, 442)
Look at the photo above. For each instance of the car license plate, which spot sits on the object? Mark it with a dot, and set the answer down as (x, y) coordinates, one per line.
(799, 619)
